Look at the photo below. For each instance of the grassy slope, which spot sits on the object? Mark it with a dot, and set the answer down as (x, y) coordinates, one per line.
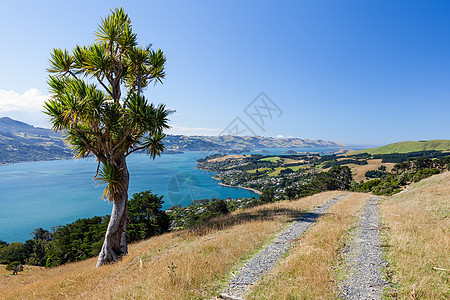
(405, 147)
(203, 257)
(418, 222)
(418, 238)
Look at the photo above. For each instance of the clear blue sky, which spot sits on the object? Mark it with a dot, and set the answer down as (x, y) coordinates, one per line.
(357, 72)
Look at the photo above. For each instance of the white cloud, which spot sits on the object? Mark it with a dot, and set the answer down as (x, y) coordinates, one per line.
(13, 101)
(280, 136)
(26, 107)
(175, 129)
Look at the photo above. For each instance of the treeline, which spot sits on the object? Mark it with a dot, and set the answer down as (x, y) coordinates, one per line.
(337, 178)
(405, 173)
(343, 162)
(84, 237)
(396, 157)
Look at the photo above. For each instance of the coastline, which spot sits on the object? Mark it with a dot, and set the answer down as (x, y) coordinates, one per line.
(240, 187)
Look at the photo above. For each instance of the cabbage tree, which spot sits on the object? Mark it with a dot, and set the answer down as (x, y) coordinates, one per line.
(97, 101)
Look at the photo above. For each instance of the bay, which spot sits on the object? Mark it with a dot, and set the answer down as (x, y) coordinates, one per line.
(51, 193)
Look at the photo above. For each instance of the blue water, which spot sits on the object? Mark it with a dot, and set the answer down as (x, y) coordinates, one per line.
(51, 193)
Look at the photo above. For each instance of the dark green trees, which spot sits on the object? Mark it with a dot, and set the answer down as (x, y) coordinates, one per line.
(267, 196)
(146, 217)
(337, 178)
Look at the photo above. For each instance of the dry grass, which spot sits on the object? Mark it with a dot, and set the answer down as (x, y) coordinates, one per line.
(419, 239)
(359, 171)
(26, 269)
(231, 156)
(203, 258)
(307, 273)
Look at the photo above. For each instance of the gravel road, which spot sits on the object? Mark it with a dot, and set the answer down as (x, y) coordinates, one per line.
(265, 260)
(363, 260)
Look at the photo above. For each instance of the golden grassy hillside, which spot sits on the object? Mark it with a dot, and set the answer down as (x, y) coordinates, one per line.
(407, 146)
(418, 237)
(202, 259)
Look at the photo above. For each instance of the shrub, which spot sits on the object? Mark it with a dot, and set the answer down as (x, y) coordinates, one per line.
(15, 266)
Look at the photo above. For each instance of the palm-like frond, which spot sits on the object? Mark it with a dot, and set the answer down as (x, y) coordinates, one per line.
(154, 145)
(61, 62)
(110, 175)
(157, 63)
(116, 28)
(96, 60)
(55, 112)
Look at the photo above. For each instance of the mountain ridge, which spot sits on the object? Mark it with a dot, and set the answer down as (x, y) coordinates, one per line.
(20, 142)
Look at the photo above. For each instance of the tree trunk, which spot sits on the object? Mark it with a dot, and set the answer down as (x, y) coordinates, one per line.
(115, 244)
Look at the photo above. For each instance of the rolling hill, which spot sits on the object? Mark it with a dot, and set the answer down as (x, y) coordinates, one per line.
(407, 146)
(20, 142)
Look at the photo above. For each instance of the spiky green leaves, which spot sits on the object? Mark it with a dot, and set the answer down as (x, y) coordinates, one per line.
(153, 144)
(144, 66)
(93, 61)
(73, 102)
(116, 29)
(111, 176)
(61, 62)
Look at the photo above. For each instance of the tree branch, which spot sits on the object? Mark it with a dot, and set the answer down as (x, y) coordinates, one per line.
(104, 86)
(92, 149)
(122, 140)
(134, 150)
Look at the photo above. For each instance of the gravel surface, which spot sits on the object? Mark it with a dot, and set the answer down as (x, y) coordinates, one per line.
(363, 260)
(265, 260)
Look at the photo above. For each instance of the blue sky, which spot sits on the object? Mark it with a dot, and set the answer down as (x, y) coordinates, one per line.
(356, 72)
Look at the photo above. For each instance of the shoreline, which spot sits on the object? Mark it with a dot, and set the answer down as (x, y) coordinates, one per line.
(240, 187)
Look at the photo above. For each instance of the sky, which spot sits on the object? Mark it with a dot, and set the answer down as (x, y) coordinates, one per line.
(355, 72)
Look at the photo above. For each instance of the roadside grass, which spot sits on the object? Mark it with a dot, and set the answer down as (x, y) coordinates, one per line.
(307, 272)
(418, 223)
(189, 264)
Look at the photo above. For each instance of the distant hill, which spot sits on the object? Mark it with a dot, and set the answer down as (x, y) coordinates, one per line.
(408, 146)
(232, 144)
(20, 142)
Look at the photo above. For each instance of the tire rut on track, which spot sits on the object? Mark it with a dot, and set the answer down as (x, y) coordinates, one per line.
(363, 261)
(266, 259)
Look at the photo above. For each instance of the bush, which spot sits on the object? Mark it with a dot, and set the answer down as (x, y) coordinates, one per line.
(267, 196)
(375, 174)
(15, 266)
(424, 173)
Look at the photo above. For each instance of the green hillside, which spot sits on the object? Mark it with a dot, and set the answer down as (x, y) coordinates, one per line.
(408, 146)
